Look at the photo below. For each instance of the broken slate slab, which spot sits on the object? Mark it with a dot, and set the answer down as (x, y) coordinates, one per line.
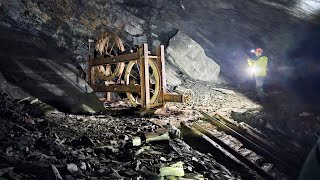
(189, 57)
(224, 91)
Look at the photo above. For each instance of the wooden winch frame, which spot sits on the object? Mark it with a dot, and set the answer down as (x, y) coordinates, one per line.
(142, 57)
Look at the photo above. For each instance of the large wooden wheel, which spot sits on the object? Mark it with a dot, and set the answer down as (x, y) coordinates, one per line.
(132, 76)
(108, 45)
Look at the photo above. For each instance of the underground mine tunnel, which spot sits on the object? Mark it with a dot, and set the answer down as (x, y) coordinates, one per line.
(142, 89)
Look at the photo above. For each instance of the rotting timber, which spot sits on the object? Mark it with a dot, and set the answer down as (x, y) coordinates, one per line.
(204, 140)
(144, 80)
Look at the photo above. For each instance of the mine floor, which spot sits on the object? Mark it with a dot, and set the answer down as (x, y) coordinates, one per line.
(47, 146)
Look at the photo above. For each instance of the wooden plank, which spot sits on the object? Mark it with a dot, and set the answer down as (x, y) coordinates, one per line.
(246, 133)
(172, 97)
(161, 66)
(234, 153)
(163, 69)
(256, 139)
(144, 77)
(246, 142)
(117, 88)
(153, 57)
(115, 59)
(204, 144)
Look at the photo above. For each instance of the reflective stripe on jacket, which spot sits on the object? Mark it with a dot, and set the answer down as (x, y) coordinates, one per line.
(260, 66)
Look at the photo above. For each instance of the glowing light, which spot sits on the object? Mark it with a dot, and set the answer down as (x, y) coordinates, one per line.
(252, 70)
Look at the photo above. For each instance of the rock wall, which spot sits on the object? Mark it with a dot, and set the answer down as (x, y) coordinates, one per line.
(225, 30)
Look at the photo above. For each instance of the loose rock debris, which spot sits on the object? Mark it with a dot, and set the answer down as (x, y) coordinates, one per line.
(66, 146)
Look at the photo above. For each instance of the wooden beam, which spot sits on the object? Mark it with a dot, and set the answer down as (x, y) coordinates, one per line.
(204, 144)
(172, 97)
(117, 88)
(161, 66)
(115, 59)
(234, 153)
(247, 143)
(144, 77)
(257, 140)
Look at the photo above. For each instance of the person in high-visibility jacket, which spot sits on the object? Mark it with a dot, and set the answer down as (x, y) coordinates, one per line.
(259, 70)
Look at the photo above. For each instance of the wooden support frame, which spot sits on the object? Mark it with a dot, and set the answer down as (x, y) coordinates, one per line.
(142, 57)
(116, 59)
(161, 65)
(117, 88)
(144, 77)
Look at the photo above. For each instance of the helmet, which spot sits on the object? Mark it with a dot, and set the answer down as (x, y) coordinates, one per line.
(258, 50)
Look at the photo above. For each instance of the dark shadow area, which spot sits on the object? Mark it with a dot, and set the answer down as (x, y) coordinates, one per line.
(36, 65)
(293, 80)
(305, 59)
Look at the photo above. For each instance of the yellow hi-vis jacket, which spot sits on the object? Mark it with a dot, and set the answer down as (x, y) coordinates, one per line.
(260, 66)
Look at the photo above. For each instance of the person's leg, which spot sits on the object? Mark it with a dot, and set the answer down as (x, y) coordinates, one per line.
(259, 86)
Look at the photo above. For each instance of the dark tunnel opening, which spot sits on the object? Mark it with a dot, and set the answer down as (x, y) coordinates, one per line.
(305, 58)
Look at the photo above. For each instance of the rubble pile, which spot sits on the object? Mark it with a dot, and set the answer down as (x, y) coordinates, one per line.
(66, 146)
(211, 97)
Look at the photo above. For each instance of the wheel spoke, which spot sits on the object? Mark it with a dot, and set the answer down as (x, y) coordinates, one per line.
(114, 70)
(111, 48)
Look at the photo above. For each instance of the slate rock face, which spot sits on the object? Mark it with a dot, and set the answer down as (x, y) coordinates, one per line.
(189, 57)
(172, 76)
(54, 84)
(225, 30)
(36, 66)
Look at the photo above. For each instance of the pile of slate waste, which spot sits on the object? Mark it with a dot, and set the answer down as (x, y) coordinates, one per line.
(39, 142)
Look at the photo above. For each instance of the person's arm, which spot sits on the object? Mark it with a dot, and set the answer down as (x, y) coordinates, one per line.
(250, 62)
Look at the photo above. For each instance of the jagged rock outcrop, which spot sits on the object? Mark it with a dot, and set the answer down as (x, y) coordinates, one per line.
(190, 58)
(173, 77)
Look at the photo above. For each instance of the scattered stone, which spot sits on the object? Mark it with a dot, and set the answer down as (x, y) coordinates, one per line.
(173, 170)
(83, 166)
(136, 141)
(72, 167)
(34, 101)
(56, 172)
(304, 114)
